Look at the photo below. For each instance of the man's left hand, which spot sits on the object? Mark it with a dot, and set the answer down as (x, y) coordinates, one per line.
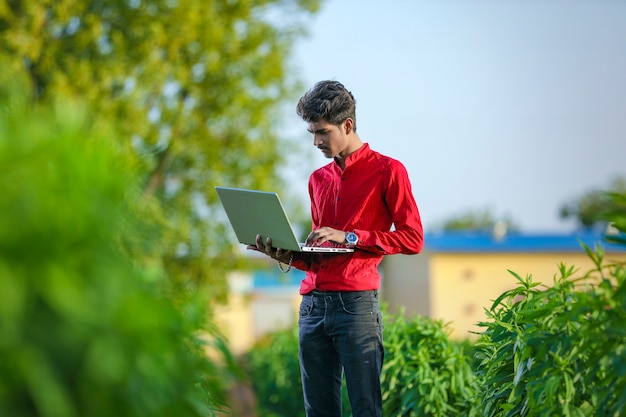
(326, 234)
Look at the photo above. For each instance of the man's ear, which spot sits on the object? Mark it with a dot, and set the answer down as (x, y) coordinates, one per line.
(348, 125)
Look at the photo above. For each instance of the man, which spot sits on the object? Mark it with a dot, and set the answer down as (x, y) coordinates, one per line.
(355, 200)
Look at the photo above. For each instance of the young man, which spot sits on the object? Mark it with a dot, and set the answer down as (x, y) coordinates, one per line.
(355, 200)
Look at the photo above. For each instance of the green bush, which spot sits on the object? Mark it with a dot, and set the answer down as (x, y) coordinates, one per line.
(559, 350)
(83, 330)
(273, 367)
(425, 373)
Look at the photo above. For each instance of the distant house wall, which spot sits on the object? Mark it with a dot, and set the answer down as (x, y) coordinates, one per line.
(258, 303)
(236, 322)
(406, 283)
(463, 285)
(275, 309)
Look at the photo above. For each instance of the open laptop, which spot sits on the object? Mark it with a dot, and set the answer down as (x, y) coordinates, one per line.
(252, 213)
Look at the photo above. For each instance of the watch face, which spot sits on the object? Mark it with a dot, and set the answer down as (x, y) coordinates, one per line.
(352, 238)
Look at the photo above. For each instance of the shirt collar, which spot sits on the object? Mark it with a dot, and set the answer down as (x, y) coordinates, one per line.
(357, 155)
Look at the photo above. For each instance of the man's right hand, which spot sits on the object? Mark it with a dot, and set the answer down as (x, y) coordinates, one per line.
(274, 253)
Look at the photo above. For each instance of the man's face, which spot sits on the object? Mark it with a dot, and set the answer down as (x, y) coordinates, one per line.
(329, 138)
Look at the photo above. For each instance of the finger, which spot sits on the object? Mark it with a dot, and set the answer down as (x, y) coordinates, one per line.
(311, 238)
(259, 244)
(268, 247)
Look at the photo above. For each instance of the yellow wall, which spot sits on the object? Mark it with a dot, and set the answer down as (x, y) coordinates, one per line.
(236, 322)
(463, 285)
(250, 313)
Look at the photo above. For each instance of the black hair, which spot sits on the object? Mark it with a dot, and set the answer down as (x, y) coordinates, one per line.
(328, 100)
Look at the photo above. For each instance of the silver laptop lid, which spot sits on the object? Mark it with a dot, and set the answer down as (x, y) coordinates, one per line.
(253, 212)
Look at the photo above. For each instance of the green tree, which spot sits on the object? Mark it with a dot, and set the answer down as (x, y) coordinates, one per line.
(587, 209)
(614, 213)
(84, 330)
(194, 87)
(479, 219)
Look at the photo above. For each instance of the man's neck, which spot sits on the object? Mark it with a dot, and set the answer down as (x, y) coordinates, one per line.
(355, 145)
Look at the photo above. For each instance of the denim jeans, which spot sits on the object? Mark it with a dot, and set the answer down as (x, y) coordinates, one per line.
(341, 331)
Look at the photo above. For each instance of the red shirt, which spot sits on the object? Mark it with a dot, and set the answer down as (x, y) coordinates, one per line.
(371, 194)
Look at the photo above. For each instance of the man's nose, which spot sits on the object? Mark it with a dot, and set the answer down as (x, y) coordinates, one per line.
(317, 141)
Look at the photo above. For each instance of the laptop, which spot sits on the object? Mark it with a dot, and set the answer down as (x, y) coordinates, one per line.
(253, 212)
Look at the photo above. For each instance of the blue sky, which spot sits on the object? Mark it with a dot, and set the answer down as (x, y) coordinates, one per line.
(512, 106)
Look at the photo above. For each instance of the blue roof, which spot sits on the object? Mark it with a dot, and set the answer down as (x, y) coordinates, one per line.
(275, 278)
(468, 242)
(478, 241)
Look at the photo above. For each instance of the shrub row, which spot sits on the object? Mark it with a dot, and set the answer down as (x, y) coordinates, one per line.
(425, 373)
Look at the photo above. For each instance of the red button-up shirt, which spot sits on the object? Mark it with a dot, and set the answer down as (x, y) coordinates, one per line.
(370, 195)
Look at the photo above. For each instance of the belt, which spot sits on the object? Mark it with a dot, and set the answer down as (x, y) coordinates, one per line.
(320, 293)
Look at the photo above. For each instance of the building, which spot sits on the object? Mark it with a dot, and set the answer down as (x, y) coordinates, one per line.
(259, 302)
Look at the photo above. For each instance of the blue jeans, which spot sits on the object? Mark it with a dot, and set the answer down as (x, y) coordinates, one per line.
(341, 331)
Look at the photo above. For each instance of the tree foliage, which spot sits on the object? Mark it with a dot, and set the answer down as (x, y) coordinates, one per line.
(84, 329)
(194, 88)
(478, 219)
(588, 209)
(615, 214)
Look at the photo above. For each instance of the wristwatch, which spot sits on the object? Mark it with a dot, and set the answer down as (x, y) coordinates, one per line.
(352, 238)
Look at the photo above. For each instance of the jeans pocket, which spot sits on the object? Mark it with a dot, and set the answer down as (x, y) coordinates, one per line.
(358, 305)
(306, 307)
